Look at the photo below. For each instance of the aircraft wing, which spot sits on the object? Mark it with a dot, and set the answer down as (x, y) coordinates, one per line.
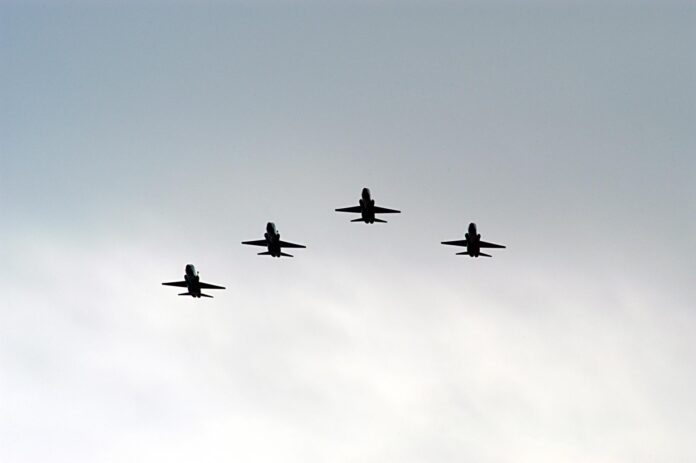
(209, 286)
(350, 209)
(181, 284)
(256, 243)
(483, 244)
(285, 244)
(384, 210)
(456, 243)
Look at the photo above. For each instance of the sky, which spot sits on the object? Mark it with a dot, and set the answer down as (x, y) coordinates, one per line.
(137, 138)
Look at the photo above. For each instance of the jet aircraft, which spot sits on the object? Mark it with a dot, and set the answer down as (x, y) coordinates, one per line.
(273, 243)
(193, 283)
(367, 209)
(473, 243)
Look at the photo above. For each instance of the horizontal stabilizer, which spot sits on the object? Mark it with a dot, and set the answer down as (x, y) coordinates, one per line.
(264, 253)
(465, 253)
(286, 255)
(185, 294)
(206, 295)
(484, 255)
(380, 220)
(357, 220)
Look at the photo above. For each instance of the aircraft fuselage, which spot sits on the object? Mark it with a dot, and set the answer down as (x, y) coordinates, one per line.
(272, 239)
(367, 206)
(473, 239)
(192, 281)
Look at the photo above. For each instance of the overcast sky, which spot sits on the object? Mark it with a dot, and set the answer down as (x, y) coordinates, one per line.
(137, 139)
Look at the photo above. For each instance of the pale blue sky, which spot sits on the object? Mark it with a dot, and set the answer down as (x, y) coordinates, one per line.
(136, 139)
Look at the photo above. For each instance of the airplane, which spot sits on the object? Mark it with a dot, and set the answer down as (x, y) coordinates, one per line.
(367, 209)
(273, 243)
(193, 283)
(473, 243)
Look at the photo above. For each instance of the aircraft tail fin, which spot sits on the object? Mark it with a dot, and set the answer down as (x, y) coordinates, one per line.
(484, 255)
(286, 255)
(184, 294)
(206, 295)
(380, 220)
(264, 253)
(357, 220)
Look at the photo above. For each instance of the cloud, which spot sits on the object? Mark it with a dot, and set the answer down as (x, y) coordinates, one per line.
(335, 363)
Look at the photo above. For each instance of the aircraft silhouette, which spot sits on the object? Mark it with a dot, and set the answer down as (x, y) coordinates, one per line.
(473, 243)
(193, 283)
(367, 209)
(273, 243)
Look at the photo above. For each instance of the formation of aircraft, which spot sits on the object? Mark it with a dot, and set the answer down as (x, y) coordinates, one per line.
(193, 283)
(367, 210)
(473, 243)
(273, 243)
